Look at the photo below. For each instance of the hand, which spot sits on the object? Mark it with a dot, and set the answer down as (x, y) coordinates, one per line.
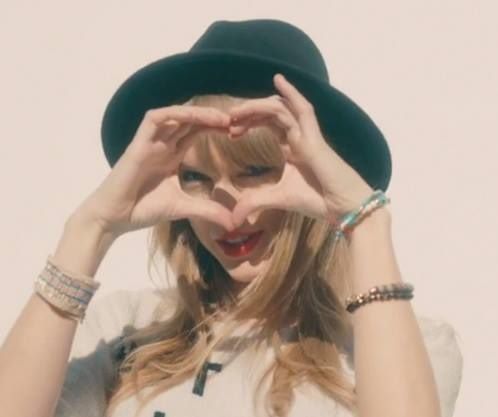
(143, 187)
(316, 181)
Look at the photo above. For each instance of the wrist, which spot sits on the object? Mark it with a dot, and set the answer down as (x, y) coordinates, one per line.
(82, 245)
(372, 252)
(82, 218)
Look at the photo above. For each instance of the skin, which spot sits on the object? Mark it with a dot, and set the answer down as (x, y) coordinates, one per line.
(226, 187)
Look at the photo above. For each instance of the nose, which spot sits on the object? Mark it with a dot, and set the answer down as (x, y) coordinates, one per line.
(225, 193)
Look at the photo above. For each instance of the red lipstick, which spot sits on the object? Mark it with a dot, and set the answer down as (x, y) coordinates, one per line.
(241, 248)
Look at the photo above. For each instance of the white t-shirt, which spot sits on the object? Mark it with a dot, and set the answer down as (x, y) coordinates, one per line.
(229, 384)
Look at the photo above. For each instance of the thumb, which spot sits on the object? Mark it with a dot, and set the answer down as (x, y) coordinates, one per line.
(254, 201)
(212, 211)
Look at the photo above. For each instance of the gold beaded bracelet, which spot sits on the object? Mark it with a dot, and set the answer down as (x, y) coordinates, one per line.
(380, 292)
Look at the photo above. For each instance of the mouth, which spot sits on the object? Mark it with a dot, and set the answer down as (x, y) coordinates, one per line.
(242, 246)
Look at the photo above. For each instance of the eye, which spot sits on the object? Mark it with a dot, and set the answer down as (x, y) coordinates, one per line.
(189, 176)
(252, 171)
(258, 170)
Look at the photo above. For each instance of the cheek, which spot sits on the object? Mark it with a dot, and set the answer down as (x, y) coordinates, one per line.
(200, 228)
(276, 218)
(199, 190)
(277, 222)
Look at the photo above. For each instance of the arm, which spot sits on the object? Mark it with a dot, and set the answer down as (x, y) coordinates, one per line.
(34, 356)
(394, 377)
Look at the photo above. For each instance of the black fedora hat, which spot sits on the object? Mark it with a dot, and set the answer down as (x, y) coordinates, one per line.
(240, 58)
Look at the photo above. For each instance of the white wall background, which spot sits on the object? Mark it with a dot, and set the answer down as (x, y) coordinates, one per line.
(425, 71)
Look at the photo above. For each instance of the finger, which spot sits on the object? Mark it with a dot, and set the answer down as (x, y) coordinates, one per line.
(175, 132)
(183, 140)
(264, 114)
(302, 110)
(289, 93)
(253, 110)
(190, 114)
(155, 120)
(166, 130)
(239, 129)
(256, 200)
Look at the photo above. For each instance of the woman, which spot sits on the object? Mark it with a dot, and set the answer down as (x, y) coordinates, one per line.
(247, 181)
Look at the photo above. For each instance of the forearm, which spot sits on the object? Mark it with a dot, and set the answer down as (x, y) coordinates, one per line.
(394, 376)
(34, 356)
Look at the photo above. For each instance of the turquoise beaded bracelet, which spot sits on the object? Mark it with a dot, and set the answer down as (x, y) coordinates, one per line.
(347, 221)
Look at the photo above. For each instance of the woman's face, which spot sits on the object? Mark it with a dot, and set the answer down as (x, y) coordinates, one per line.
(225, 187)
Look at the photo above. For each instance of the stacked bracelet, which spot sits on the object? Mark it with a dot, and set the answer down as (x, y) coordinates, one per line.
(67, 291)
(382, 292)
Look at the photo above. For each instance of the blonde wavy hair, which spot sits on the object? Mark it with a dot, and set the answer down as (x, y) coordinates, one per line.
(306, 279)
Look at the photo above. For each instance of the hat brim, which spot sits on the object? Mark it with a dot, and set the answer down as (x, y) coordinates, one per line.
(176, 78)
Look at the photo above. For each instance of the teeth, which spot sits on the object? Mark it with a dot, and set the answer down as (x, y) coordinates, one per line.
(239, 240)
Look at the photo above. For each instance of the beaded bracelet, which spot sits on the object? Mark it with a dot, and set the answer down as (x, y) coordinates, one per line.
(70, 293)
(382, 292)
(351, 219)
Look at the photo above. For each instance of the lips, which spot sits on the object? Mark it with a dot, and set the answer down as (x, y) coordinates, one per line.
(237, 234)
(242, 249)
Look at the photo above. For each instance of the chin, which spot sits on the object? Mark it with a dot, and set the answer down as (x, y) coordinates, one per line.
(242, 281)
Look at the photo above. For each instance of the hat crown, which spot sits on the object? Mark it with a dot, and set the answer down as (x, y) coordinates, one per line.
(240, 58)
(265, 38)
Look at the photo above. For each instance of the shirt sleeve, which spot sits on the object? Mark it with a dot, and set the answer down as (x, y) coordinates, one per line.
(91, 369)
(443, 347)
